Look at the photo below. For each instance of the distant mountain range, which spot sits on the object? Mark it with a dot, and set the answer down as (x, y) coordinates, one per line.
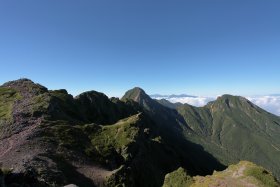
(270, 102)
(50, 138)
(159, 96)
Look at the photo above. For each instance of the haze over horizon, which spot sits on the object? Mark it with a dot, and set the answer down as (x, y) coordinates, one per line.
(168, 47)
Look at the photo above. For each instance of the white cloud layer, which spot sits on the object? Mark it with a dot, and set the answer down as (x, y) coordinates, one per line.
(269, 103)
(195, 101)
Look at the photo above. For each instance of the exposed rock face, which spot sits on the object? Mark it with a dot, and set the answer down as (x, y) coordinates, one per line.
(50, 138)
(62, 139)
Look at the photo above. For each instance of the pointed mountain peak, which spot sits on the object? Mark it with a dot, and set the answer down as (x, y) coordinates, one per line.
(137, 94)
(138, 89)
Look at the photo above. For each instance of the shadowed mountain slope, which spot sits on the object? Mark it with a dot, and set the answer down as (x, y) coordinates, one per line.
(50, 138)
(54, 139)
(230, 128)
(168, 104)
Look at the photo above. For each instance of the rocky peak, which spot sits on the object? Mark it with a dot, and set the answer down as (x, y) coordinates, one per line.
(136, 94)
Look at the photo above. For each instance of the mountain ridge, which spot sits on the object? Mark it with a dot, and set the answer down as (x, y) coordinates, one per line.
(207, 122)
(129, 141)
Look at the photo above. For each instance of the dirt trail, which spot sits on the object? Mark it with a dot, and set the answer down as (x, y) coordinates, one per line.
(21, 126)
(13, 142)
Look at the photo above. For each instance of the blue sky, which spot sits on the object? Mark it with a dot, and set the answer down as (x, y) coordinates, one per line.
(199, 47)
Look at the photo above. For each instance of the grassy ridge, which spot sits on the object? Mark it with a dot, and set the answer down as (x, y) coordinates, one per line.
(7, 98)
(242, 174)
(263, 176)
(178, 178)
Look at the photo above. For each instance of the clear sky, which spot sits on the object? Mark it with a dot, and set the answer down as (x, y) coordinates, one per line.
(199, 47)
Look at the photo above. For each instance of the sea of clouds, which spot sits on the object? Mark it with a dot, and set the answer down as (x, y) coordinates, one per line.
(195, 101)
(270, 103)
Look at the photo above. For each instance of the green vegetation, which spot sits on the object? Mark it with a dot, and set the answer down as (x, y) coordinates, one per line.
(118, 135)
(109, 142)
(40, 103)
(242, 174)
(102, 138)
(265, 177)
(7, 98)
(136, 141)
(232, 129)
(101, 143)
(113, 146)
(178, 178)
(5, 171)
